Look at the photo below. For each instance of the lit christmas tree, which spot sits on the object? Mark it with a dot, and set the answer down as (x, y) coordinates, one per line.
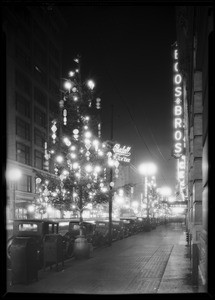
(75, 153)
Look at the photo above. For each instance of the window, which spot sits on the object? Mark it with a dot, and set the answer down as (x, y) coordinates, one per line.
(23, 82)
(39, 138)
(40, 75)
(38, 159)
(22, 129)
(54, 51)
(22, 153)
(53, 107)
(40, 97)
(40, 54)
(39, 117)
(22, 58)
(24, 184)
(53, 88)
(24, 37)
(54, 70)
(22, 105)
(28, 227)
(22, 12)
(39, 33)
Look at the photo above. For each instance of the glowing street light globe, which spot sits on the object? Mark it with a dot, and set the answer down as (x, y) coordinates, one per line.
(14, 174)
(147, 169)
(165, 191)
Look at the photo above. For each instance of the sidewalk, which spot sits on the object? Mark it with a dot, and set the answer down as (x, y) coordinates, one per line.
(149, 262)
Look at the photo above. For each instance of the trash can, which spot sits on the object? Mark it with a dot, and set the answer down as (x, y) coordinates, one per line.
(53, 250)
(24, 263)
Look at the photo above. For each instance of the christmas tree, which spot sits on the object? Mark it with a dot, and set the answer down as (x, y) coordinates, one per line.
(79, 160)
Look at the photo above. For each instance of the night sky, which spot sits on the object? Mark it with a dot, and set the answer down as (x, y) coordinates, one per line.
(127, 51)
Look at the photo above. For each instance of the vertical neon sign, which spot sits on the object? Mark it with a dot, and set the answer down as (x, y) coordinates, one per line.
(178, 123)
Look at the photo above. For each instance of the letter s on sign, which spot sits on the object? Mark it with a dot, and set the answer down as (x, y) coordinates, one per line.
(178, 148)
(178, 91)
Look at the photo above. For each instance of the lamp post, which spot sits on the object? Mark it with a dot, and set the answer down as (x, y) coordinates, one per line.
(13, 175)
(165, 192)
(147, 169)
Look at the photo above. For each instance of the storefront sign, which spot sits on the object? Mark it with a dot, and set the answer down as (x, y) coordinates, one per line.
(122, 153)
(178, 121)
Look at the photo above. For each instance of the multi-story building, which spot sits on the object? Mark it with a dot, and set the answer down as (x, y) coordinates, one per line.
(33, 55)
(195, 40)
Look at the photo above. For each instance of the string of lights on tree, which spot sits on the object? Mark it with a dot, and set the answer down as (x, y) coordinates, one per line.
(79, 160)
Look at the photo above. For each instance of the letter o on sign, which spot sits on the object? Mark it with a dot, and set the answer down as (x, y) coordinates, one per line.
(178, 135)
(178, 79)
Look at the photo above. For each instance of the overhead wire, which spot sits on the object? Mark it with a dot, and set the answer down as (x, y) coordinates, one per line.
(129, 112)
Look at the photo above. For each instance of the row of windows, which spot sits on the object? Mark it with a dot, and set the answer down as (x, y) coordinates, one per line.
(21, 126)
(23, 130)
(23, 105)
(23, 156)
(24, 84)
(40, 57)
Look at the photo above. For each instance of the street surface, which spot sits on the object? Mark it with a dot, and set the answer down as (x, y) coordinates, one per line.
(148, 262)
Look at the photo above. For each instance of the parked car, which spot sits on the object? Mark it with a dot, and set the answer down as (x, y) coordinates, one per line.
(101, 232)
(74, 231)
(36, 229)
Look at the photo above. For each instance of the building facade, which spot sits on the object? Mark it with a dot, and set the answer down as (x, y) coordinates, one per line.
(33, 55)
(195, 53)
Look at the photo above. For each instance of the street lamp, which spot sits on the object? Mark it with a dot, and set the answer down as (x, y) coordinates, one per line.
(13, 175)
(147, 169)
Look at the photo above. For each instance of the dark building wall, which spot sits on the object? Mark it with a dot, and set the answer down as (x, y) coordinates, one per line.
(33, 73)
(194, 27)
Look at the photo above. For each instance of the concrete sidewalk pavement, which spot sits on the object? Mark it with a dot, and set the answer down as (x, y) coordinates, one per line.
(149, 262)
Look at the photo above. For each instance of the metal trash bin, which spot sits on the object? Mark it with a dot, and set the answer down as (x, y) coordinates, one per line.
(24, 263)
(53, 250)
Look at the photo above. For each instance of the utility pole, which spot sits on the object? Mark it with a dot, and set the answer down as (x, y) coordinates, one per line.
(111, 178)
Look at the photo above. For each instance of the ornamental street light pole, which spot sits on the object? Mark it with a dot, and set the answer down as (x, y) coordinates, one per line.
(147, 169)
